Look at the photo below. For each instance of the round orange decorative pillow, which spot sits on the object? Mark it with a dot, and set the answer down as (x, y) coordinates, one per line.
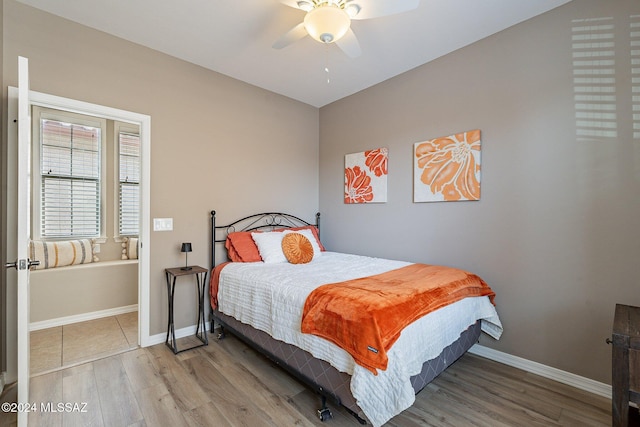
(297, 248)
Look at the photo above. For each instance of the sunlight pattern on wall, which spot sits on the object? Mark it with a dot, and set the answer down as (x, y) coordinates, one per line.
(594, 82)
(635, 73)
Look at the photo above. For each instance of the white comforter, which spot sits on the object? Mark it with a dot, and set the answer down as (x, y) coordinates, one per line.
(271, 297)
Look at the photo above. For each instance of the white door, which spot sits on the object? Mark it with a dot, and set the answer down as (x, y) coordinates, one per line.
(23, 224)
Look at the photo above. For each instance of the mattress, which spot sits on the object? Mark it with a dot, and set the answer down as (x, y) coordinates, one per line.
(270, 298)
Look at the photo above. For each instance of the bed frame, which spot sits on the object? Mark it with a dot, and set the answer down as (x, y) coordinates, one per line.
(316, 374)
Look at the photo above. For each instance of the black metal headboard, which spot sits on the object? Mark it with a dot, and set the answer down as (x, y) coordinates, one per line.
(265, 221)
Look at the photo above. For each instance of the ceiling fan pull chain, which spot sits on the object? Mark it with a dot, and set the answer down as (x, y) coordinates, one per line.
(326, 66)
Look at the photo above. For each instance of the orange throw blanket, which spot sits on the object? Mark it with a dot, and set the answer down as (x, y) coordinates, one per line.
(214, 282)
(365, 316)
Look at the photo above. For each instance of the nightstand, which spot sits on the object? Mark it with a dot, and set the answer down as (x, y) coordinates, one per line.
(625, 362)
(171, 275)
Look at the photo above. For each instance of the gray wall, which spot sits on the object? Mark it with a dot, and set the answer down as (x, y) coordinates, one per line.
(216, 143)
(557, 230)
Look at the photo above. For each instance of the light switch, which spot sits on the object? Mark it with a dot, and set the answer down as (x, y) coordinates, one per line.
(162, 224)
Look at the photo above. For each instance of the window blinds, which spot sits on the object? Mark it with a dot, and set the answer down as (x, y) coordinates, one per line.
(129, 200)
(70, 173)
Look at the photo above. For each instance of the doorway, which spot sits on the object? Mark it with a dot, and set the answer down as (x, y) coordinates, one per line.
(144, 124)
(86, 203)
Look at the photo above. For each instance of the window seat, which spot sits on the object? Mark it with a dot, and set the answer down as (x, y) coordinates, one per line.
(84, 288)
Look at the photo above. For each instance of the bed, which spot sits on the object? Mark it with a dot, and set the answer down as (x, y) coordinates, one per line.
(263, 299)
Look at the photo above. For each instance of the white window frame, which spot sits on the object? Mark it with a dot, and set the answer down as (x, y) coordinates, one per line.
(117, 129)
(39, 114)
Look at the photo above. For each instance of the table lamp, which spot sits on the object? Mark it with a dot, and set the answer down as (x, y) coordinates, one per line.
(186, 248)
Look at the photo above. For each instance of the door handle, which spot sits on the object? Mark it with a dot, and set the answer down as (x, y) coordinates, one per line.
(22, 264)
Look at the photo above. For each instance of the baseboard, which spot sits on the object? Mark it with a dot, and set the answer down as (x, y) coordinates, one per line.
(180, 333)
(67, 320)
(586, 384)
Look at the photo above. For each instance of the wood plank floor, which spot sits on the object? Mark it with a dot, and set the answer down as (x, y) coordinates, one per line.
(228, 384)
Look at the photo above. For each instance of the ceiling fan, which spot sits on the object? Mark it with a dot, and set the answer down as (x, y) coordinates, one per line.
(329, 21)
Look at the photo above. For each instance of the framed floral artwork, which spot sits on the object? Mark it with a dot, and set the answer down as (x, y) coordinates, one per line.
(447, 168)
(365, 176)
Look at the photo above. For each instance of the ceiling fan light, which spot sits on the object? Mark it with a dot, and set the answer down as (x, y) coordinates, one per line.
(352, 9)
(305, 5)
(327, 24)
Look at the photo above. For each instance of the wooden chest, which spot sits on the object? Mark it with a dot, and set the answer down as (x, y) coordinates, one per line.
(625, 362)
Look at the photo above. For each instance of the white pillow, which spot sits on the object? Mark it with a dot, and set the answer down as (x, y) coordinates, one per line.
(312, 238)
(270, 246)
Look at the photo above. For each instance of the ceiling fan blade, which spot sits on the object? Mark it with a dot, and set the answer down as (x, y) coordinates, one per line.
(376, 8)
(293, 35)
(349, 44)
(290, 3)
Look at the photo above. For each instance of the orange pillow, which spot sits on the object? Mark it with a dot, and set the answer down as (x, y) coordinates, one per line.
(297, 248)
(241, 247)
(313, 229)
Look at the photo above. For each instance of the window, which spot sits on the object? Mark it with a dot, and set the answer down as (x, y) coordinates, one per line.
(129, 183)
(86, 181)
(68, 164)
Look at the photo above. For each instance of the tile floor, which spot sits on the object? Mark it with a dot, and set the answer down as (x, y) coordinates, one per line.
(69, 345)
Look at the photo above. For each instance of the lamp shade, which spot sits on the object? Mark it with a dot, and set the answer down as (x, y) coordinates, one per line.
(186, 247)
(327, 23)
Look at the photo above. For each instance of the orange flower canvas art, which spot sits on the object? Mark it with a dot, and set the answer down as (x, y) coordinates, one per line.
(447, 168)
(365, 176)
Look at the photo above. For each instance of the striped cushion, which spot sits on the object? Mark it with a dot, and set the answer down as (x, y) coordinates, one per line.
(130, 248)
(63, 253)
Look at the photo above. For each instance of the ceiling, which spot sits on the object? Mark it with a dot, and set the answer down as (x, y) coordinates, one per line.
(235, 38)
